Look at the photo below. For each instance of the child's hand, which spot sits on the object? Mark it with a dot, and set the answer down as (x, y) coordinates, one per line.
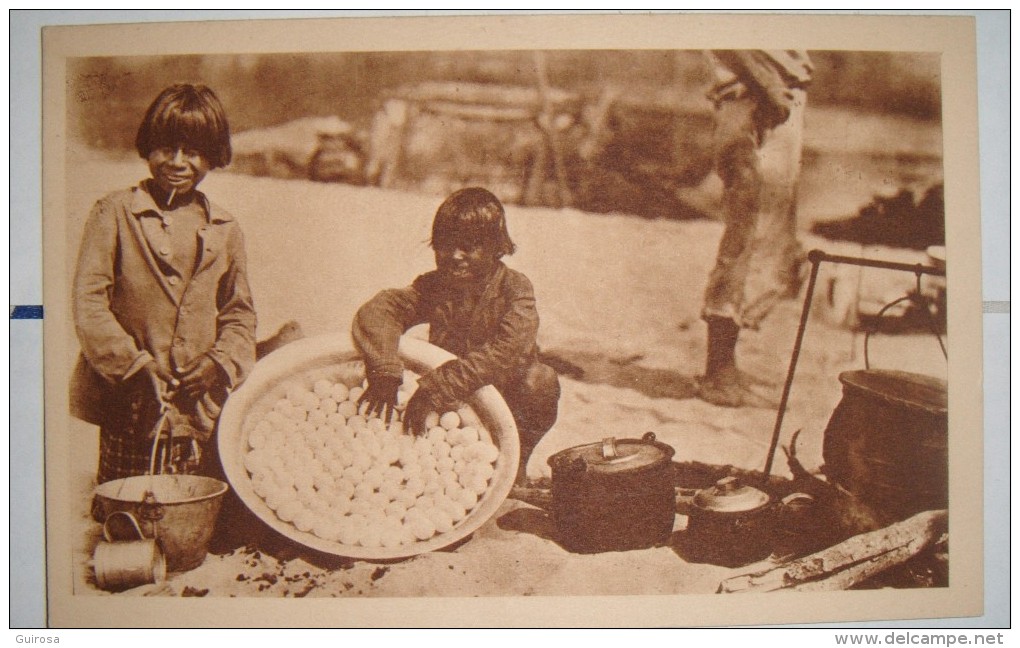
(199, 376)
(162, 380)
(381, 396)
(418, 409)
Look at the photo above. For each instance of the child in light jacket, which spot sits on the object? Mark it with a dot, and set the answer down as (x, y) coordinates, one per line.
(161, 302)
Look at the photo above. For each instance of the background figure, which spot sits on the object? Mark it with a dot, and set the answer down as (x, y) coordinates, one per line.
(759, 97)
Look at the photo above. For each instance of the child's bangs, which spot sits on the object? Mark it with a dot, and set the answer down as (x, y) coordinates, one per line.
(456, 232)
(193, 128)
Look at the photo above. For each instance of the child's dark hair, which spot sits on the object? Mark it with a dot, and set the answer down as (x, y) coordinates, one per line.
(186, 114)
(472, 216)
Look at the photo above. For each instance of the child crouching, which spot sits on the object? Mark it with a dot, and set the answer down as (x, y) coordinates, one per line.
(478, 309)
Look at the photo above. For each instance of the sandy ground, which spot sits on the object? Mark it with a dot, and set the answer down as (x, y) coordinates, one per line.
(619, 298)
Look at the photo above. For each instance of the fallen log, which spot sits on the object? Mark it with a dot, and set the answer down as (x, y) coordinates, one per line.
(849, 562)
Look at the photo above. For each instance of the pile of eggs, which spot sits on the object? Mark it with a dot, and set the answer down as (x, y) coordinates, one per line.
(328, 469)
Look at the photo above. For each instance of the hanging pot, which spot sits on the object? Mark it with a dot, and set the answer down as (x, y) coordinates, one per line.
(886, 442)
(615, 495)
(729, 524)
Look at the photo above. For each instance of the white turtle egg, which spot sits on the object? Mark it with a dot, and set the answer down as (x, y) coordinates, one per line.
(441, 519)
(360, 506)
(422, 527)
(436, 434)
(317, 417)
(355, 393)
(431, 420)
(304, 520)
(469, 434)
(468, 417)
(477, 485)
(322, 388)
(348, 532)
(340, 506)
(371, 535)
(326, 529)
(449, 420)
(357, 423)
(440, 449)
(467, 498)
(338, 392)
(288, 510)
(378, 501)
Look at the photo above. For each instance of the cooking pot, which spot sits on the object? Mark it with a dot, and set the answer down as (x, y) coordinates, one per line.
(614, 495)
(729, 524)
(886, 442)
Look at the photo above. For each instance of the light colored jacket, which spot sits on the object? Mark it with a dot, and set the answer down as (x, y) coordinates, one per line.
(129, 307)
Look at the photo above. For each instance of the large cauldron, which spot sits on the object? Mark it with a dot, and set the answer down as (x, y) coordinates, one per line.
(886, 441)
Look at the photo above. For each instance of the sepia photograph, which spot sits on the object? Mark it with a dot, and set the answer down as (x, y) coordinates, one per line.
(512, 321)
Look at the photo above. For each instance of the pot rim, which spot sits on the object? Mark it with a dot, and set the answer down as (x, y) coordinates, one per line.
(221, 490)
(559, 458)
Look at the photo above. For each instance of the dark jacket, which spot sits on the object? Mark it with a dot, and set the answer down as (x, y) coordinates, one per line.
(492, 333)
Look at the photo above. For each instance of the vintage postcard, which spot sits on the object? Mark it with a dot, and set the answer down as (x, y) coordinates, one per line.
(499, 321)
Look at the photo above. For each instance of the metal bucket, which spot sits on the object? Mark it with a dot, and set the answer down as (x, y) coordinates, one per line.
(123, 564)
(887, 441)
(178, 510)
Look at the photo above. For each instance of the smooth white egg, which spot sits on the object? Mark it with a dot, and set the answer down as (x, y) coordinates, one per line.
(338, 392)
(322, 388)
(449, 420)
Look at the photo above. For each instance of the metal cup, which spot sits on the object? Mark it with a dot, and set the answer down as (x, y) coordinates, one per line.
(123, 564)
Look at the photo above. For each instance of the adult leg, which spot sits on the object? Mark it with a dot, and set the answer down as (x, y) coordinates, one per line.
(738, 165)
(779, 259)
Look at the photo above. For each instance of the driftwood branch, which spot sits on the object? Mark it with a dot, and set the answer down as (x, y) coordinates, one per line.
(849, 562)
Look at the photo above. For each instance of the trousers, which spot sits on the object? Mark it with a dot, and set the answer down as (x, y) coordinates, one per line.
(759, 255)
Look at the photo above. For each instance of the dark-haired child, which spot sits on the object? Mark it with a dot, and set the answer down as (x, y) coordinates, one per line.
(478, 309)
(161, 301)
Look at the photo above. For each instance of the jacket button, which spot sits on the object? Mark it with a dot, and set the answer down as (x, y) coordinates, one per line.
(173, 281)
(164, 250)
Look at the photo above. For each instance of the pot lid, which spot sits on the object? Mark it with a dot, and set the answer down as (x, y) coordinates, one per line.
(728, 495)
(613, 455)
(909, 389)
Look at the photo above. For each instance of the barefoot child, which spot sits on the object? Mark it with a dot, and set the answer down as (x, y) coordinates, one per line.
(161, 301)
(478, 309)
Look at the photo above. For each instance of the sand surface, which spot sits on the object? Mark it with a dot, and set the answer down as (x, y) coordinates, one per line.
(619, 298)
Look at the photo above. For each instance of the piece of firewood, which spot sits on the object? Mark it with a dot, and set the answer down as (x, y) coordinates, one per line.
(538, 497)
(849, 562)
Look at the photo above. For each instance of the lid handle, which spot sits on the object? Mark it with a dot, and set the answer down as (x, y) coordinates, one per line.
(609, 448)
(727, 484)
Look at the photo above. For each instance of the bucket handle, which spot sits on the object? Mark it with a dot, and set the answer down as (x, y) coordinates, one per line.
(134, 522)
(911, 297)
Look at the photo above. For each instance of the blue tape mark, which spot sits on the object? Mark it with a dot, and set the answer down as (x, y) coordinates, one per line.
(34, 311)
